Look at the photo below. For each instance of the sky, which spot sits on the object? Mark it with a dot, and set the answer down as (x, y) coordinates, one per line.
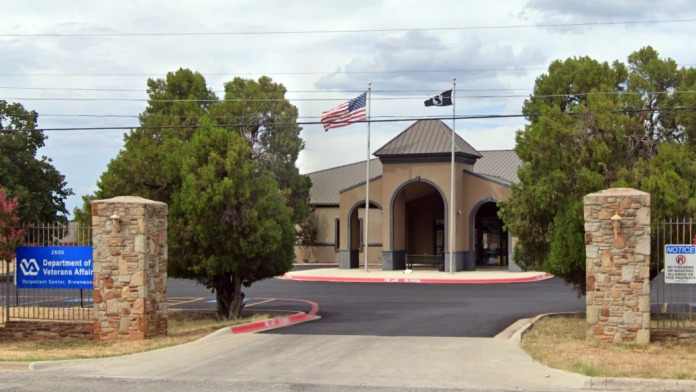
(484, 61)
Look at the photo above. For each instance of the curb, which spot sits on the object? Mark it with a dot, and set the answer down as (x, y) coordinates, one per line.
(640, 384)
(517, 329)
(14, 366)
(337, 279)
(280, 321)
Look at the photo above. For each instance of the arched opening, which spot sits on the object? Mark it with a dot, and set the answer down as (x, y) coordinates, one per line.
(419, 225)
(356, 227)
(490, 237)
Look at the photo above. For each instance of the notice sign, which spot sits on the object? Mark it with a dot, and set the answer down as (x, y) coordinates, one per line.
(680, 264)
(54, 267)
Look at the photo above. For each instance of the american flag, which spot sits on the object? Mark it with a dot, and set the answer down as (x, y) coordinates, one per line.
(345, 113)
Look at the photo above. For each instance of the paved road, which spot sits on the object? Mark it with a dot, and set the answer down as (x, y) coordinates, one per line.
(295, 362)
(408, 309)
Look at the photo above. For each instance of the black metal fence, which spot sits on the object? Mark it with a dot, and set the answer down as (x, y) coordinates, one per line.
(673, 305)
(19, 303)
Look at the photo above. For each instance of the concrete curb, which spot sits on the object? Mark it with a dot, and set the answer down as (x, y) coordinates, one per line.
(280, 321)
(14, 366)
(516, 331)
(479, 281)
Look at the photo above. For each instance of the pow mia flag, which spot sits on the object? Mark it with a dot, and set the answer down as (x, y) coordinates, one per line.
(444, 99)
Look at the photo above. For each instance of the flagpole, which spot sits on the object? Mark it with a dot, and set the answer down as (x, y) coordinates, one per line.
(367, 172)
(453, 203)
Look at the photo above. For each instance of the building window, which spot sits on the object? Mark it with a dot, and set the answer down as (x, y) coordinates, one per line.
(337, 234)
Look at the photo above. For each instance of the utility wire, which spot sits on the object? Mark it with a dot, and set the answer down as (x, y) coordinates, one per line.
(481, 69)
(342, 31)
(384, 120)
(286, 73)
(382, 98)
(309, 91)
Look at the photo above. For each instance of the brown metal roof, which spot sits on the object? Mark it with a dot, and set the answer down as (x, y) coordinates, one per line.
(327, 183)
(499, 163)
(422, 137)
(426, 137)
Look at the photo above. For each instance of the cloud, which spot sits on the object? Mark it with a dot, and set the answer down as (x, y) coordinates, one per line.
(474, 62)
(597, 10)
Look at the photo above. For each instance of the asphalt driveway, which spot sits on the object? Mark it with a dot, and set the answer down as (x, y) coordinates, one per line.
(407, 309)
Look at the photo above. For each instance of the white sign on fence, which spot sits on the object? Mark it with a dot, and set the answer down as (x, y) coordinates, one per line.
(680, 264)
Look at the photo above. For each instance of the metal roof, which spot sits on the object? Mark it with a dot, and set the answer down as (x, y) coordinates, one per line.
(327, 184)
(421, 138)
(499, 163)
(426, 137)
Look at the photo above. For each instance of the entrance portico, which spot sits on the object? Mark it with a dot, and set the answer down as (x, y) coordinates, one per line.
(410, 204)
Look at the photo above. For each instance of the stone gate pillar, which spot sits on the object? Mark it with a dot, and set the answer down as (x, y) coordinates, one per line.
(617, 249)
(129, 236)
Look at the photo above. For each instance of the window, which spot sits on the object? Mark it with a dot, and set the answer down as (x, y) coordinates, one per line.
(337, 234)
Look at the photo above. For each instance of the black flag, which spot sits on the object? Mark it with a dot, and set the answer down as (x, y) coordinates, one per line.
(444, 99)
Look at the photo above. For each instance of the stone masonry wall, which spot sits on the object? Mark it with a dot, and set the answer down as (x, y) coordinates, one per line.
(617, 247)
(39, 330)
(129, 237)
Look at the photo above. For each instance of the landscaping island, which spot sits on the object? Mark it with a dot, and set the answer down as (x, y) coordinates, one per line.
(183, 327)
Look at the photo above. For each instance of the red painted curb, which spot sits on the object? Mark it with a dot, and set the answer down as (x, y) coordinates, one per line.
(280, 321)
(337, 279)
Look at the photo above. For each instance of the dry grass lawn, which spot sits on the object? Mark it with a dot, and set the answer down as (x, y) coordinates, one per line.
(183, 327)
(560, 342)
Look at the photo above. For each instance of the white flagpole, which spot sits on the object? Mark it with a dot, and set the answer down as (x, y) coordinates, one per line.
(453, 203)
(367, 173)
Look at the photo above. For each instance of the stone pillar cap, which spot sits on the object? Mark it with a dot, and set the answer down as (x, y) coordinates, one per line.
(129, 200)
(618, 192)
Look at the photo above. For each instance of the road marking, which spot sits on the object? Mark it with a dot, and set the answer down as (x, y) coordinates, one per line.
(264, 301)
(183, 300)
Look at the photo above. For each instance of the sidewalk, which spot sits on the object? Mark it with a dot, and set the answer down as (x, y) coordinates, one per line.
(420, 277)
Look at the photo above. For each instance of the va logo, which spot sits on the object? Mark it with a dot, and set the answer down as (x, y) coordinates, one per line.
(29, 267)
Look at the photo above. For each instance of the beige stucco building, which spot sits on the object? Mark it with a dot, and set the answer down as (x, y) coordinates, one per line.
(409, 205)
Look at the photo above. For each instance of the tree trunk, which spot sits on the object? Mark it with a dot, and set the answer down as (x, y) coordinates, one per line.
(224, 294)
(228, 292)
(236, 307)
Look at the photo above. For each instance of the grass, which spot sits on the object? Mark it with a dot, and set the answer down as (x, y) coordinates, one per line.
(560, 342)
(183, 327)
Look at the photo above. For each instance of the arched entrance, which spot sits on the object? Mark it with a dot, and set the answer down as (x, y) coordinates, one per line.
(356, 227)
(490, 237)
(419, 225)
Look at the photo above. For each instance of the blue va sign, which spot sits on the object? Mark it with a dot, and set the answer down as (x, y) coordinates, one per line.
(54, 267)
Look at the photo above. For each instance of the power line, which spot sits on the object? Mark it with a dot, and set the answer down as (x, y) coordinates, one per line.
(332, 99)
(342, 31)
(481, 69)
(309, 91)
(384, 120)
(285, 73)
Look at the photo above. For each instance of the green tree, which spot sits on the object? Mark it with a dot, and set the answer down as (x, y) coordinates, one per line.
(594, 125)
(257, 110)
(39, 187)
(230, 223)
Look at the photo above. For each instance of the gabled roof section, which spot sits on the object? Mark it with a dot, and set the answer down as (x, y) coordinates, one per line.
(327, 183)
(426, 137)
(499, 163)
(495, 165)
